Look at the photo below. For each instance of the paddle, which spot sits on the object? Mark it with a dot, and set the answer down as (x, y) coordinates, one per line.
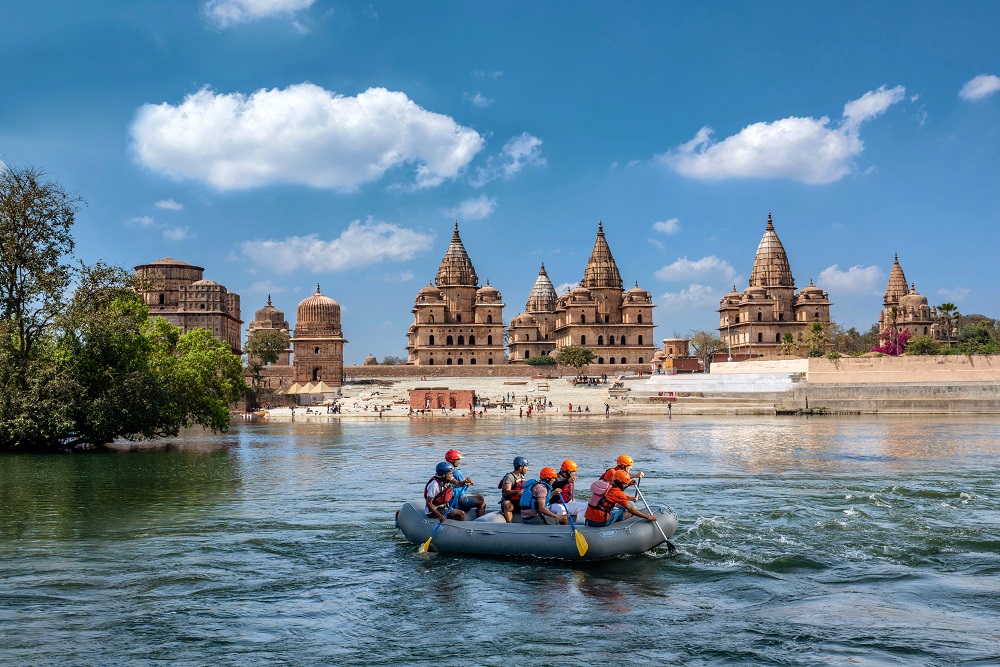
(671, 549)
(581, 541)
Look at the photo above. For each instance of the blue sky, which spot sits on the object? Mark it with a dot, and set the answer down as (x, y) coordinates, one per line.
(281, 143)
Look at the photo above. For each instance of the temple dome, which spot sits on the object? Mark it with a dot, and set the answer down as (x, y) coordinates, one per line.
(524, 319)
(543, 296)
(456, 268)
(488, 294)
(637, 295)
(770, 266)
(370, 360)
(912, 300)
(318, 312)
(270, 314)
(601, 269)
(429, 293)
(205, 283)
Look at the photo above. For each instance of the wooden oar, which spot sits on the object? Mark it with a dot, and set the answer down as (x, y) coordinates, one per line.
(581, 541)
(670, 547)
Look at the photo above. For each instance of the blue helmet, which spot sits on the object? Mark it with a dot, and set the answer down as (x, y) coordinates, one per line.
(520, 461)
(444, 468)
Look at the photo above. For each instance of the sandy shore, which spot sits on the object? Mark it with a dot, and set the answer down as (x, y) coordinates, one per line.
(375, 402)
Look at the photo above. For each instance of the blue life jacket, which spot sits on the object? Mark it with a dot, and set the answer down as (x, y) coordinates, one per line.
(528, 500)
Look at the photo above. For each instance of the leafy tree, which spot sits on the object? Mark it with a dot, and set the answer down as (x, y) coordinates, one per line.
(787, 342)
(924, 345)
(264, 346)
(977, 339)
(575, 356)
(393, 361)
(704, 345)
(543, 360)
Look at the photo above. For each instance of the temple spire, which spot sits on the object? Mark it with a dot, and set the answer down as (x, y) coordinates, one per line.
(601, 271)
(897, 285)
(543, 296)
(456, 268)
(770, 266)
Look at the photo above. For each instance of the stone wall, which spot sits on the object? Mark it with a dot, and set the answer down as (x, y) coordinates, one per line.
(354, 373)
(907, 369)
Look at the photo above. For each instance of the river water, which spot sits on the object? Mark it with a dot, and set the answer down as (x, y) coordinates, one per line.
(871, 541)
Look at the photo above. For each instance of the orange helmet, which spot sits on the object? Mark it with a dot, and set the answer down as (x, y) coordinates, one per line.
(624, 460)
(569, 465)
(622, 476)
(452, 455)
(547, 473)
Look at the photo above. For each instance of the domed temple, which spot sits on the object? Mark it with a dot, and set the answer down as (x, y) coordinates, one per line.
(178, 292)
(456, 322)
(318, 343)
(599, 314)
(904, 308)
(270, 317)
(754, 323)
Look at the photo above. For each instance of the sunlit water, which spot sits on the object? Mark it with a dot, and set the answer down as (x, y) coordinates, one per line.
(803, 541)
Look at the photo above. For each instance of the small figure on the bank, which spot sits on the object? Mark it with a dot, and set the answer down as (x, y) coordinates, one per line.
(535, 500)
(670, 409)
(439, 494)
(607, 410)
(520, 412)
(466, 501)
(612, 505)
(510, 489)
(571, 407)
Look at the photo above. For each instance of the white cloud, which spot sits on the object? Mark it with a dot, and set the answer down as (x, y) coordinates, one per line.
(809, 150)
(706, 268)
(401, 277)
(565, 287)
(170, 205)
(671, 226)
(141, 221)
(226, 13)
(478, 100)
(519, 152)
(695, 296)
(303, 135)
(176, 233)
(476, 208)
(361, 244)
(859, 279)
(264, 287)
(979, 87)
(483, 74)
(954, 295)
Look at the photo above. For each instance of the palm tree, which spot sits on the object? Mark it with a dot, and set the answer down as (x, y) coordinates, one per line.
(945, 312)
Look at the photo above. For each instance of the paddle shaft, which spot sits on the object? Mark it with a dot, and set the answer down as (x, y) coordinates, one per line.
(666, 539)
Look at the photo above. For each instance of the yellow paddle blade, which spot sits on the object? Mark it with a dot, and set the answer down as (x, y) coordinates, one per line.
(581, 542)
(425, 547)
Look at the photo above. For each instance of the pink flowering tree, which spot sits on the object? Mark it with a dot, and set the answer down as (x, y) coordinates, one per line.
(892, 342)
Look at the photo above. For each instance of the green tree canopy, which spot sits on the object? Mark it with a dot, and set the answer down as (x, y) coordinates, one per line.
(543, 360)
(704, 345)
(977, 338)
(264, 346)
(575, 356)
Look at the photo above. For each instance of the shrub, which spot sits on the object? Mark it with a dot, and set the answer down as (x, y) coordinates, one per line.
(543, 360)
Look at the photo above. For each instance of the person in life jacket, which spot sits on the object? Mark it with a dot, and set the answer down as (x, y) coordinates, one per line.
(535, 499)
(623, 463)
(563, 500)
(510, 489)
(610, 507)
(439, 494)
(466, 501)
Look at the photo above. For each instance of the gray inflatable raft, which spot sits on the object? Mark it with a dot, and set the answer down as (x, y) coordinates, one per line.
(490, 535)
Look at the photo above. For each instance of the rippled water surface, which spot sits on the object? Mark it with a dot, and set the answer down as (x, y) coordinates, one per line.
(803, 541)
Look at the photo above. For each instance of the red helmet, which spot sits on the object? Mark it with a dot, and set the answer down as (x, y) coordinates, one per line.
(622, 476)
(569, 465)
(624, 460)
(452, 455)
(547, 473)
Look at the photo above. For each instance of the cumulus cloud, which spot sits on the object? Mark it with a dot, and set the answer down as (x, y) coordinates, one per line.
(476, 208)
(170, 205)
(671, 226)
(177, 233)
(565, 287)
(478, 100)
(954, 295)
(810, 150)
(694, 296)
(361, 244)
(302, 135)
(226, 13)
(859, 279)
(707, 268)
(518, 153)
(141, 221)
(979, 87)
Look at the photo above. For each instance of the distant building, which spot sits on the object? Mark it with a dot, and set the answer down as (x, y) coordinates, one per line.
(271, 318)
(616, 325)
(178, 292)
(755, 322)
(456, 322)
(904, 308)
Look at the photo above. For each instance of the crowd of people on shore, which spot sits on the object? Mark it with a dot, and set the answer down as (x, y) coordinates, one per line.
(548, 499)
